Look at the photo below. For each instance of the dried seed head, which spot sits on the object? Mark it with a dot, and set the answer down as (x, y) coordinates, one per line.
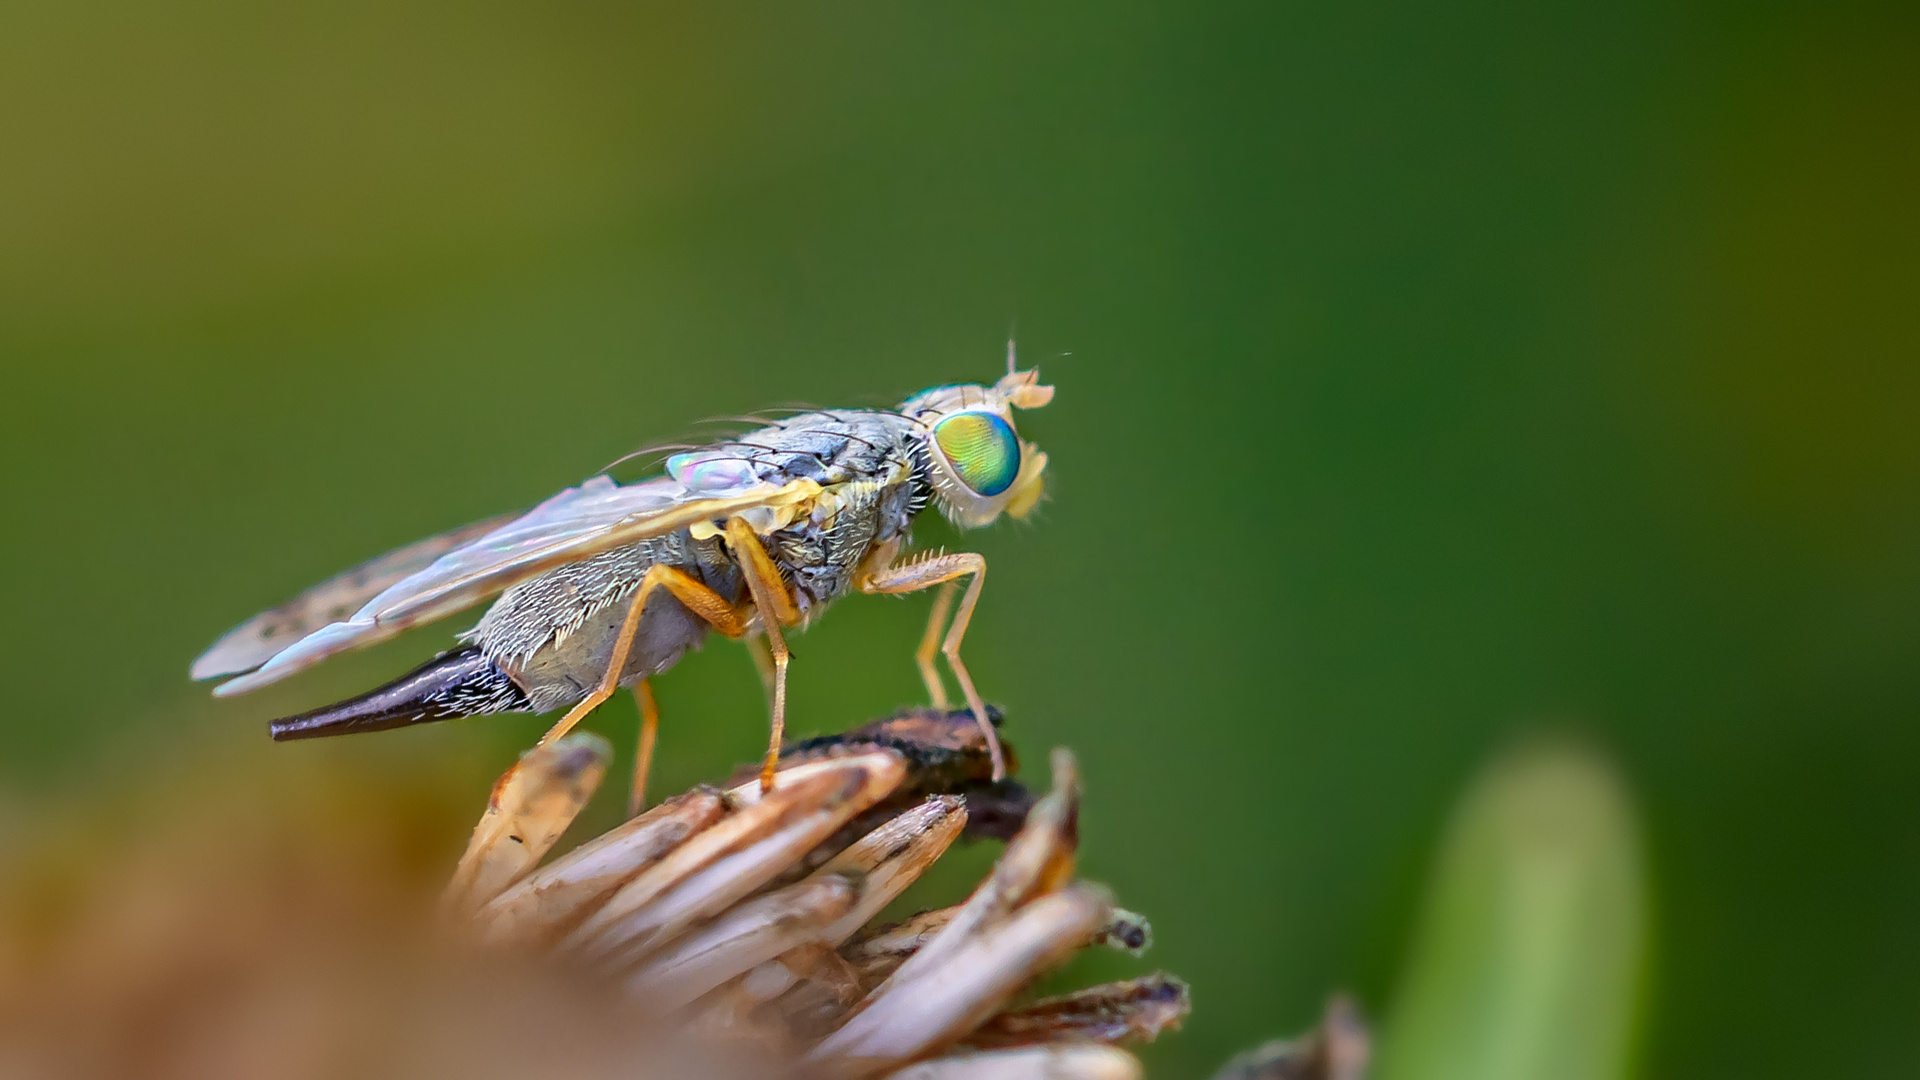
(741, 914)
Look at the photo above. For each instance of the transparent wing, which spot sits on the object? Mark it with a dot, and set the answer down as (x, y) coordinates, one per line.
(255, 641)
(597, 516)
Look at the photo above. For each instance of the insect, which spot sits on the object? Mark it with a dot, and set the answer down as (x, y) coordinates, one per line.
(606, 585)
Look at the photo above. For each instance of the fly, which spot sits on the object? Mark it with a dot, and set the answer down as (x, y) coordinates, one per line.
(605, 585)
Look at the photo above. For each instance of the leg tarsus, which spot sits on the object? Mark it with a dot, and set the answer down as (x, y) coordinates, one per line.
(780, 721)
(643, 753)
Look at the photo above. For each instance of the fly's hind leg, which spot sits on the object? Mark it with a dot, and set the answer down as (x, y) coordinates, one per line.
(925, 574)
(643, 753)
(682, 586)
(777, 609)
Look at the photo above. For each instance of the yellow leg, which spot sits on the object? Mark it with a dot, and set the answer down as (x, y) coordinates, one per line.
(643, 754)
(684, 587)
(762, 662)
(611, 678)
(776, 608)
(929, 648)
(939, 570)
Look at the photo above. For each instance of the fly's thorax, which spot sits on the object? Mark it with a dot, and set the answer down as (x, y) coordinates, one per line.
(869, 492)
(819, 555)
(829, 448)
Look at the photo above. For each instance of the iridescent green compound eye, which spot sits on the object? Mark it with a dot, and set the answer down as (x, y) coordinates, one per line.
(982, 449)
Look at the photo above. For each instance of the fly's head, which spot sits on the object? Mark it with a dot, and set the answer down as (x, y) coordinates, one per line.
(969, 452)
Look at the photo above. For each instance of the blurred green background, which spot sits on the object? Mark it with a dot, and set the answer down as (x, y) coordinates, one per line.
(1428, 375)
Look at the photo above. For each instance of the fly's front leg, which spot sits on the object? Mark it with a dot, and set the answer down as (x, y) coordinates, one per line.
(939, 570)
(777, 609)
(880, 561)
(923, 657)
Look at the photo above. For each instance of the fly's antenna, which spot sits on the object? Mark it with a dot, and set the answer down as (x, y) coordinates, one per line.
(1012, 364)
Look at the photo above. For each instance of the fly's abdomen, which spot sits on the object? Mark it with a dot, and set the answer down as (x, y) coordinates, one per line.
(459, 683)
(561, 673)
(554, 634)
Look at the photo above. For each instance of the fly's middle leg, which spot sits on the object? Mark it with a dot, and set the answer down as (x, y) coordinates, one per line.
(939, 570)
(762, 662)
(777, 609)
